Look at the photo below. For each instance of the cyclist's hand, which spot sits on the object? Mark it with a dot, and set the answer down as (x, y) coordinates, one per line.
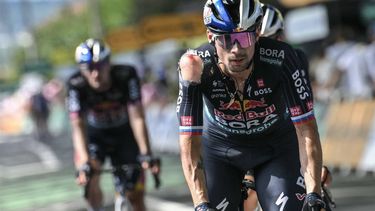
(204, 206)
(83, 174)
(150, 162)
(326, 177)
(313, 202)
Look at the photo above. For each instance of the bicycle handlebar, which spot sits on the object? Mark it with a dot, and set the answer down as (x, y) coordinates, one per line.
(128, 167)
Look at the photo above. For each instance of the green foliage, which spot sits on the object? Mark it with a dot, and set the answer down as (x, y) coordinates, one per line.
(116, 13)
(58, 39)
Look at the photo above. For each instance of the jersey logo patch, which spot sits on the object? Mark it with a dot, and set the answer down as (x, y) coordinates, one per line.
(295, 111)
(186, 121)
(300, 196)
(260, 83)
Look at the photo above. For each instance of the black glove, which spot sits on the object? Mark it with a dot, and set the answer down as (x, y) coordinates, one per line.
(204, 206)
(152, 161)
(313, 202)
(149, 159)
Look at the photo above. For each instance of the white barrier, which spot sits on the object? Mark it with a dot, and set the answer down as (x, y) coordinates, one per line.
(163, 128)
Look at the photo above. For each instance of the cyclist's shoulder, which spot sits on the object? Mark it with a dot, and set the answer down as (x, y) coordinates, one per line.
(270, 46)
(76, 80)
(275, 52)
(206, 49)
(123, 71)
(301, 56)
(300, 52)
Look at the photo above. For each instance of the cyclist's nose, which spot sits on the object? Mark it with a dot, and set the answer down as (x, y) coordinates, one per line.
(95, 73)
(236, 47)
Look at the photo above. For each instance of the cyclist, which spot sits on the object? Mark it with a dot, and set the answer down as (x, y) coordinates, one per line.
(273, 27)
(107, 119)
(241, 94)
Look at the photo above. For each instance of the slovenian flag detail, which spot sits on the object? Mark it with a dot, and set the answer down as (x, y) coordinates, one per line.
(303, 118)
(191, 130)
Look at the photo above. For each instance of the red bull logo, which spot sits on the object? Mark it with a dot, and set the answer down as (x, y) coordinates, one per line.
(233, 106)
(251, 104)
(246, 105)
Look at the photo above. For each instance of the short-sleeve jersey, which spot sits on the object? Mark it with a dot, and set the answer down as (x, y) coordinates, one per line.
(104, 109)
(276, 85)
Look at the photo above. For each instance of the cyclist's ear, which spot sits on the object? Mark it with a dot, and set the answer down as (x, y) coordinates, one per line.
(210, 37)
(257, 32)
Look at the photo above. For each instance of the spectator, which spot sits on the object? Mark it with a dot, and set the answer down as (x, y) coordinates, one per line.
(39, 112)
(370, 57)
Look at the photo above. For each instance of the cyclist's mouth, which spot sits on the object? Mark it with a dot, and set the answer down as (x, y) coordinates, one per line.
(237, 61)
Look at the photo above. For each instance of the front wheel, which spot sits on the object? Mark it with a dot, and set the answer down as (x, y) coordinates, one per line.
(122, 204)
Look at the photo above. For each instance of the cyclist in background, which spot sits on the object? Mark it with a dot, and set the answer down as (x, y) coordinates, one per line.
(241, 94)
(107, 119)
(273, 27)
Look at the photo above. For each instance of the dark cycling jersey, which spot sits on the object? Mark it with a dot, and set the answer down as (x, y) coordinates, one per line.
(108, 128)
(253, 132)
(104, 109)
(276, 83)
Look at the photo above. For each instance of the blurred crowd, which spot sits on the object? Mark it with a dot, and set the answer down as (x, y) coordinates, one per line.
(28, 109)
(345, 69)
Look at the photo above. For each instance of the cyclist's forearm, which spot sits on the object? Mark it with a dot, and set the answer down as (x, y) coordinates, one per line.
(141, 136)
(310, 155)
(80, 146)
(193, 168)
(138, 123)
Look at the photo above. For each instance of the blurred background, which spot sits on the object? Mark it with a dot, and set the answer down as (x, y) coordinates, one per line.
(37, 43)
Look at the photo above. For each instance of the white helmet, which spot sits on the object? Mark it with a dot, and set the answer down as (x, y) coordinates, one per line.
(92, 51)
(273, 21)
(225, 16)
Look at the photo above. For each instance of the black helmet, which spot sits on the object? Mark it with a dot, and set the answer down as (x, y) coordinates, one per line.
(273, 21)
(92, 51)
(225, 16)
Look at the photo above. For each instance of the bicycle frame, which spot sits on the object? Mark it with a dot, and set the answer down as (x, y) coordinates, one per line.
(121, 202)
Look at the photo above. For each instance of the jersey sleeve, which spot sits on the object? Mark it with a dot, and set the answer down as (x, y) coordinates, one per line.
(133, 86)
(297, 89)
(190, 108)
(305, 67)
(73, 102)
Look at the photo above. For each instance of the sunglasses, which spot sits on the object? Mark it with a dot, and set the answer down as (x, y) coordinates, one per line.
(227, 41)
(93, 66)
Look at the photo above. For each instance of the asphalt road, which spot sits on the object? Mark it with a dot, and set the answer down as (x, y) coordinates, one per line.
(39, 176)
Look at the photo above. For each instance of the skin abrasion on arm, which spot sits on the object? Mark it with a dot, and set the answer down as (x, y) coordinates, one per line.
(191, 67)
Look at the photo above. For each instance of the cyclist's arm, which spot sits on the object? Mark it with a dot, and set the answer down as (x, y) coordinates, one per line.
(137, 119)
(79, 142)
(77, 123)
(136, 111)
(310, 154)
(189, 110)
(299, 98)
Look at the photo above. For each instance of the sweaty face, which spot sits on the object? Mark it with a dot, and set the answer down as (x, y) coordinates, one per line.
(97, 74)
(235, 50)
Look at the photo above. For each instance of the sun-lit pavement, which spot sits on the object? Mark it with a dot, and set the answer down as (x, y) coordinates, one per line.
(39, 176)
